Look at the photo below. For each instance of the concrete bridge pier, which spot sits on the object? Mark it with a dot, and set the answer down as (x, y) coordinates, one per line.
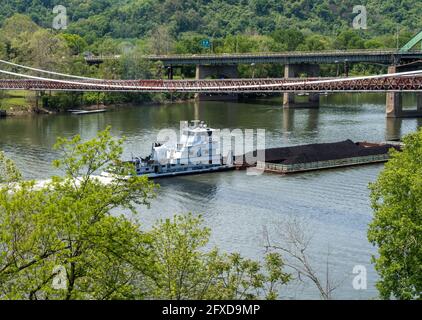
(295, 71)
(170, 72)
(393, 129)
(419, 102)
(394, 104)
(216, 72)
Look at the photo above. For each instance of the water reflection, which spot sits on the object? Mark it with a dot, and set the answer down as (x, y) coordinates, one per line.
(203, 188)
(236, 206)
(393, 129)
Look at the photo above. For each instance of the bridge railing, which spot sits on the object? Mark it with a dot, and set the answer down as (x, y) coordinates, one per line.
(276, 54)
(401, 84)
(264, 54)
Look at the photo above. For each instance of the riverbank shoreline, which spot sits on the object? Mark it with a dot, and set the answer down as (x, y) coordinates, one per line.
(33, 111)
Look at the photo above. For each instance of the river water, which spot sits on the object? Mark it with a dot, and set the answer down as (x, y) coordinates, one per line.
(334, 204)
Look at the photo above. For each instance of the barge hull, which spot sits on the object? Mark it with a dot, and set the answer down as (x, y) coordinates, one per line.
(322, 165)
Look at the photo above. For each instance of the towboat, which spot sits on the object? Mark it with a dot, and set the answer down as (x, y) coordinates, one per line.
(198, 151)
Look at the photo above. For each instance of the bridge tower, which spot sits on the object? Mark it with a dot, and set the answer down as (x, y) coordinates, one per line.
(294, 71)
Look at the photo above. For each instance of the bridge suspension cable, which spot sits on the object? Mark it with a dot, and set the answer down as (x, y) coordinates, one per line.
(73, 82)
(48, 72)
(154, 85)
(380, 76)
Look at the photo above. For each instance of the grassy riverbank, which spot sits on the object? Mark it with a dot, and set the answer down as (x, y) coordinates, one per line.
(17, 102)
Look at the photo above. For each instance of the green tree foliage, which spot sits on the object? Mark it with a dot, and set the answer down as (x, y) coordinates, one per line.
(289, 38)
(9, 173)
(75, 43)
(85, 232)
(349, 39)
(186, 271)
(177, 26)
(68, 223)
(18, 26)
(218, 18)
(161, 41)
(27, 43)
(315, 43)
(397, 225)
(47, 51)
(3, 47)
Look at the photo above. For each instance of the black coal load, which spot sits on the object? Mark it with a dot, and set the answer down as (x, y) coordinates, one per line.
(322, 152)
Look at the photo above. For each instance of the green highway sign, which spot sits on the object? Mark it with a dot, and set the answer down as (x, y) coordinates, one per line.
(206, 43)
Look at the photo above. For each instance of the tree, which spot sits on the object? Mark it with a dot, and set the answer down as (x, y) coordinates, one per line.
(349, 39)
(9, 173)
(47, 51)
(293, 241)
(75, 43)
(17, 32)
(185, 271)
(67, 223)
(2, 96)
(17, 25)
(290, 38)
(315, 43)
(64, 238)
(397, 224)
(3, 47)
(161, 41)
(190, 43)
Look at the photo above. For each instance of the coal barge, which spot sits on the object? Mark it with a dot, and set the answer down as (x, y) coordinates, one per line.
(319, 156)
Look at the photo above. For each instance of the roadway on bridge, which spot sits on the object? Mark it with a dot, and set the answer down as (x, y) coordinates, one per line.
(386, 57)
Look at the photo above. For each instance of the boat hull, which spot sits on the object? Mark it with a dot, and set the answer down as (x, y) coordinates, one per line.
(187, 172)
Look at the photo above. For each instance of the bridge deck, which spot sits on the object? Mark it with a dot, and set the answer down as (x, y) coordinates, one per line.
(403, 83)
(336, 56)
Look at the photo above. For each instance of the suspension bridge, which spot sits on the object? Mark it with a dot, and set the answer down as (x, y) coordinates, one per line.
(408, 81)
(403, 82)
(394, 83)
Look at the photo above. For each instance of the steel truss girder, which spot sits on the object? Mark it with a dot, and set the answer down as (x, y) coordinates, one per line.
(408, 83)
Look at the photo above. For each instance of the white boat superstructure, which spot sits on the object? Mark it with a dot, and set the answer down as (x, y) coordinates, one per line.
(198, 151)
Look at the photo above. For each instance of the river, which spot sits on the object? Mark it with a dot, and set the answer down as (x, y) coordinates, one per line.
(334, 204)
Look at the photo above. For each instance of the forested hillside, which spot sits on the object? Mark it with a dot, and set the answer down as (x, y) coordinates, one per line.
(131, 28)
(218, 18)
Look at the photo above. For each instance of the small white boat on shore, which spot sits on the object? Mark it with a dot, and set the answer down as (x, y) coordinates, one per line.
(83, 112)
